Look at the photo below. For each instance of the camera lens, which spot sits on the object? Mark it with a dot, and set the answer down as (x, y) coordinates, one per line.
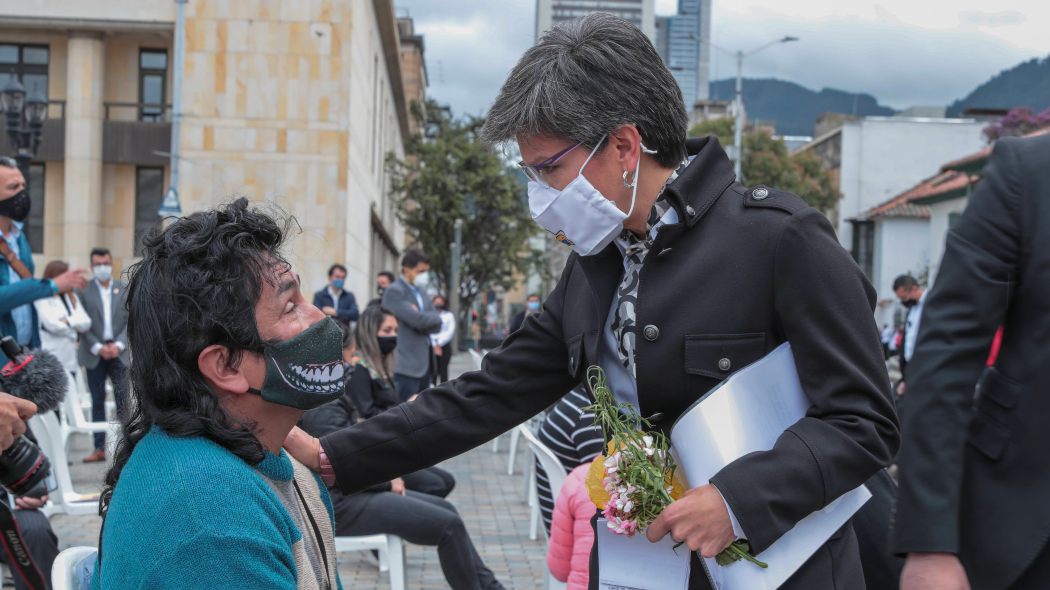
(23, 467)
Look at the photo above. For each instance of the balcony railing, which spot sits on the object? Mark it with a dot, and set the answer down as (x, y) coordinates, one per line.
(138, 111)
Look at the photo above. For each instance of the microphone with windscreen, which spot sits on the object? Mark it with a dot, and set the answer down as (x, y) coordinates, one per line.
(37, 376)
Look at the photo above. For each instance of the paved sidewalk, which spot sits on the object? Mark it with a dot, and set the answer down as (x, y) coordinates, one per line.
(489, 500)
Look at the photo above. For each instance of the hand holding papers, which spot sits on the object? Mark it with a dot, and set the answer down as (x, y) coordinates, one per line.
(744, 414)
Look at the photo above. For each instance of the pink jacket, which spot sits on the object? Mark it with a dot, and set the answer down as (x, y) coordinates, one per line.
(569, 549)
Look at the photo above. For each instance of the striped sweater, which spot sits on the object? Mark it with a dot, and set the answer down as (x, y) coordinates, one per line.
(189, 514)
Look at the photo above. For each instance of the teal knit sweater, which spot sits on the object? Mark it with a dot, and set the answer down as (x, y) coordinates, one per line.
(189, 514)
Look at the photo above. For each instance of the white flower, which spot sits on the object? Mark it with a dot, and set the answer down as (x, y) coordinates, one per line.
(648, 441)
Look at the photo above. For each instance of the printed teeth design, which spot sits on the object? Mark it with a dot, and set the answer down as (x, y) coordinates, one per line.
(316, 378)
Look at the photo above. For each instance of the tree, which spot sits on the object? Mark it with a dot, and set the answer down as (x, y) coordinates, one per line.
(767, 161)
(1017, 122)
(448, 174)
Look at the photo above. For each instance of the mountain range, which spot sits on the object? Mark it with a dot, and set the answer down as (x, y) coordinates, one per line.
(792, 109)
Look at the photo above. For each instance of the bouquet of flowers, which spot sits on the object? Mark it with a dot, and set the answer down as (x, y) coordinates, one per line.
(635, 479)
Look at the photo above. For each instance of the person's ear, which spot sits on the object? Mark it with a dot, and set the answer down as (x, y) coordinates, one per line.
(626, 143)
(214, 365)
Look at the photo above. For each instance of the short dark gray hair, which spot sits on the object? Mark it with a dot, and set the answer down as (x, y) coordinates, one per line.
(586, 77)
(8, 162)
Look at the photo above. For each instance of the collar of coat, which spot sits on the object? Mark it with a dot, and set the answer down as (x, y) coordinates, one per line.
(708, 175)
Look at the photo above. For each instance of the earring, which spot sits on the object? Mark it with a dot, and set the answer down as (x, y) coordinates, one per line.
(629, 184)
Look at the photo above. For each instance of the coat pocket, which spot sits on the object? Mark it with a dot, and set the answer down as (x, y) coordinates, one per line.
(988, 436)
(996, 387)
(719, 355)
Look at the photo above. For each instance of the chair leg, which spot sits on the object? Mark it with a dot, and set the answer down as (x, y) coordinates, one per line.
(534, 521)
(495, 445)
(397, 562)
(514, 436)
(529, 491)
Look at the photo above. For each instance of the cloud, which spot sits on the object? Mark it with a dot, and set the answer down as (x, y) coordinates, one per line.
(992, 19)
(924, 55)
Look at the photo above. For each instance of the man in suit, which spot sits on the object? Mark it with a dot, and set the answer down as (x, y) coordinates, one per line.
(681, 275)
(913, 297)
(18, 288)
(972, 508)
(417, 320)
(104, 348)
(334, 300)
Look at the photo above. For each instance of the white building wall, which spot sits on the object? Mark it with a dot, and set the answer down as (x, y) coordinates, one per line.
(940, 215)
(374, 131)
(884, 156)
(138, 11)
(901, 246)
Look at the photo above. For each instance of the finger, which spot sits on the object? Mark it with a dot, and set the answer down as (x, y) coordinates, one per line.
(6, 438)
(24, 407)
(659, 528)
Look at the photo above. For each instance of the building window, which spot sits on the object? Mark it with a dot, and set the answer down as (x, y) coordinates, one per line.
(34, 226)
(153, 84)
(28, 63)
(864, 246)
(149, 193)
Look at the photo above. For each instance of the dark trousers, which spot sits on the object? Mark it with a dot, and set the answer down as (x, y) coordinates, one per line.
(442, 363)
(434, 481)
(116, 372)
(409, 386)
(40, 540)
(420, 519)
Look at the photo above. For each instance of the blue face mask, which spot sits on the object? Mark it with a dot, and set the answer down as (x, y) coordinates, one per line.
(534, 305)
(338, 284)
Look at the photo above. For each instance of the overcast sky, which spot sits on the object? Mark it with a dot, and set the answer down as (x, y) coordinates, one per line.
(904, 52)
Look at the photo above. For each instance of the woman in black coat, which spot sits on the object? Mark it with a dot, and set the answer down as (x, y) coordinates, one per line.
(371, 388)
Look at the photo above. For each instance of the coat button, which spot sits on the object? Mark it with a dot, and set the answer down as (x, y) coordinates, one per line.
(725, 364)
(759, 193)
(651, 333)
(690, 211)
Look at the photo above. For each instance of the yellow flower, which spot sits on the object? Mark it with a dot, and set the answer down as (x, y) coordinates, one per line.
(596, 482)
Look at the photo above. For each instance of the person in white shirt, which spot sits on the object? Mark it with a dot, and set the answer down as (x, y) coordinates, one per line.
(443, 339)
(912, 296)
(62, 318)
(104, 348)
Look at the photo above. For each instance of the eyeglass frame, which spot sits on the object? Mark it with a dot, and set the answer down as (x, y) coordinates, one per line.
(532, 172)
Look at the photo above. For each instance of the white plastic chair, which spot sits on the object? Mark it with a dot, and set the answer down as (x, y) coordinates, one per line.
(391, 554)
(74, 419)
(65, 499)
(63, 571)
(555, 475)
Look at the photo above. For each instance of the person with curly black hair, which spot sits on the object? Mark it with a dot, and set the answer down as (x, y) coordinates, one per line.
(227, 354)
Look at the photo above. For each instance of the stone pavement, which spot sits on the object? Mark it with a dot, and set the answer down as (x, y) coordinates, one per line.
(489, 500)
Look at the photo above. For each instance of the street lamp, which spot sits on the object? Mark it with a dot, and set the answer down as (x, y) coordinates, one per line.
(24, 121)
(738, 125)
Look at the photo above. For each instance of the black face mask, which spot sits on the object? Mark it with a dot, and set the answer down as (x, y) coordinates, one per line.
(910, 303)
(439, 307)
(380, 290)
(387, 344)
(17, 207)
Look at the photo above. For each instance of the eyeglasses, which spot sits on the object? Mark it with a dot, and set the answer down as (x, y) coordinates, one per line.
(535, 172)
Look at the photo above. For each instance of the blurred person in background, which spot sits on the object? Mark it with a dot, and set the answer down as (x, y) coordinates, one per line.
(442, 341)
(417, 320)
(533, 306)
(913, 297)
(62, 320)
(18, 288)
(334, 300)
(383, 281)
(972, 508)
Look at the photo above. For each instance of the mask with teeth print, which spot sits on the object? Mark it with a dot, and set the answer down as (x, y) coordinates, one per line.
(305, 371)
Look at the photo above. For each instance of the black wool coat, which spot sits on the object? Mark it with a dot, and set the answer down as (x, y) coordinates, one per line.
(974, 477)
(744, 271)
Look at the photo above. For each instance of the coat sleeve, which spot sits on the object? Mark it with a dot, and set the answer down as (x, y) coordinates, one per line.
(22, 292)
(563, 523)
(79, 318)
(348, 308)
(360, 390)
(977, 278)
(824, 307)
(403, 305)
(50, 321)
(518, 380)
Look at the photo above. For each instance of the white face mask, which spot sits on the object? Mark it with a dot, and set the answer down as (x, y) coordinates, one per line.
(422, 279)
(579, 215)
(103, 272)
